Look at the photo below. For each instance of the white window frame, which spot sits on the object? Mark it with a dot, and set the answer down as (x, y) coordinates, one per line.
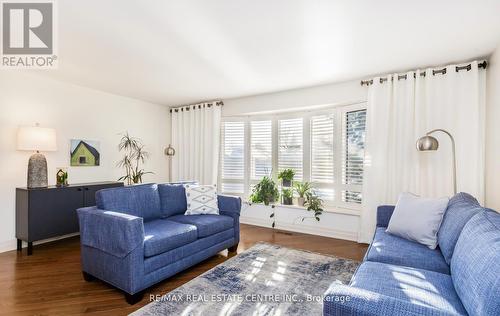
(339, 114)
(339, 185)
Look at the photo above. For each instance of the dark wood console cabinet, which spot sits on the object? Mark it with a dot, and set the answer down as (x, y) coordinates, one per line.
(49, 212)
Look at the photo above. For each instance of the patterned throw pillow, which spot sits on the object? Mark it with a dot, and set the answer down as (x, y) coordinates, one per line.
(201, 199)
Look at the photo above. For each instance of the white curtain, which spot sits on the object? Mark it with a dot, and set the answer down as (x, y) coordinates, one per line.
(196, 140)
(402, 109)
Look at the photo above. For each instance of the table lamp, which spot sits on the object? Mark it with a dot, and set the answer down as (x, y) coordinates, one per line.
(36, 138)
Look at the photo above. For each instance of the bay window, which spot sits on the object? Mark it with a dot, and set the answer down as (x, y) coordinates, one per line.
(324, 147)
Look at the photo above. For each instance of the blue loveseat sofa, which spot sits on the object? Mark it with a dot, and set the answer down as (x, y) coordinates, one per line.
(137, 236)
(401, 277)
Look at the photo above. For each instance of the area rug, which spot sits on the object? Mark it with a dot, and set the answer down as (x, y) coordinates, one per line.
(266, 279)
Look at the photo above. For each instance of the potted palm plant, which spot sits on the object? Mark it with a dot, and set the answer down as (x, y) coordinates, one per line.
(286, 177)
(302, 188)
(134, 156)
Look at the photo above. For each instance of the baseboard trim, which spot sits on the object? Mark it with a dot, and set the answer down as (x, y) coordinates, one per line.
(301, 228)
(10, 245)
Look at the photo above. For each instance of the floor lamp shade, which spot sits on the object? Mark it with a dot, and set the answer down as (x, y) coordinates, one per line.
(427, 143)
(430, 143)
(35, 138)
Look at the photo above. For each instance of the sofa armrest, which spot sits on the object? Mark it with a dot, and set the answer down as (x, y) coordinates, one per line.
(115, 233)
(231, 206)
(229, 203)
(384, 213)
(346, 300)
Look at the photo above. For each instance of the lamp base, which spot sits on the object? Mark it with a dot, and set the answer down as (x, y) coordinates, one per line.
(37, 171)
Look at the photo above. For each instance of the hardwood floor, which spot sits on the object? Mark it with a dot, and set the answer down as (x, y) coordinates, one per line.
(50, 281)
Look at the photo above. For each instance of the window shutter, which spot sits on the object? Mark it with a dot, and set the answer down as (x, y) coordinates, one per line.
(261, 149)
(233, 157)
(353, 155)
(322, 156)
(290, 146)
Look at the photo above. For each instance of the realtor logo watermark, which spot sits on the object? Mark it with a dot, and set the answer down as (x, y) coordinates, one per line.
(28, 35)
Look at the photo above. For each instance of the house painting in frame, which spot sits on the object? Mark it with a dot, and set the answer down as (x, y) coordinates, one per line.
(84, 153)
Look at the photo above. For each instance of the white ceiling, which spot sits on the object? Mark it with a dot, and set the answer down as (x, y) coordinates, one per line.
(177, 52)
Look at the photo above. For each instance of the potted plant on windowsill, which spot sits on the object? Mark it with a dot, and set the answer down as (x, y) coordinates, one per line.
(302, 188)
(266, 191)
(287, 196)
(314, 204)
(286, 177)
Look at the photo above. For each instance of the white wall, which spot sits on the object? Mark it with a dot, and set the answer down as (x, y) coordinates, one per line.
(75, 112)
(335, 225)
(295, 100)
(493, 132)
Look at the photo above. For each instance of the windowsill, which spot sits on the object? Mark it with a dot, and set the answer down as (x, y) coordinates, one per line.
(327, 209)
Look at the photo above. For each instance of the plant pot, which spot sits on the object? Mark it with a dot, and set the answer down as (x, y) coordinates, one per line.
(301, 201)
(286, 183)
(267, 202)
(287, 201)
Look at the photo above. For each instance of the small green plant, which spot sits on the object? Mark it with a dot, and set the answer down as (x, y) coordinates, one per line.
(302, 188)
(61, 177)
(286, 174)
(314, 204)
(287, 193)
(287, 196)
(286, 177)
(266, 191)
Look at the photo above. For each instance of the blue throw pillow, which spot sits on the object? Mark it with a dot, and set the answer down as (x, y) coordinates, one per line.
(138, 200)
(172, 198)
(460, 210)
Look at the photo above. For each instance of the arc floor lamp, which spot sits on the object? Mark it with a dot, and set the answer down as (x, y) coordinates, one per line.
(430, 143)
(170, 153)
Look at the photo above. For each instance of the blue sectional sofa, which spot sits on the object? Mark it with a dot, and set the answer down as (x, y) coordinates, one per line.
(138, 235)
(400, 277)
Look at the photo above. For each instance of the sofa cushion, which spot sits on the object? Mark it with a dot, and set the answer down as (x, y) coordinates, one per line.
(475, 267)
(138, 200)
(173, 199)
(192, 249)
(206, 224)
(162, 235)
(416, 286)
(388, 248)
(460, 209)
(417, 218)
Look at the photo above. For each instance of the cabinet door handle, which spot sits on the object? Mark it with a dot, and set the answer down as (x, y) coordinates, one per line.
(79, 189)
(86, 189)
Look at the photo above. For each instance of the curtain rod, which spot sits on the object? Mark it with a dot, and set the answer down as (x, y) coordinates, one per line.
(442, 71)
(199, 105)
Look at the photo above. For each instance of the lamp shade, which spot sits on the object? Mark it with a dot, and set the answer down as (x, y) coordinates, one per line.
(36, 138)
(427, 143)
(170, 151)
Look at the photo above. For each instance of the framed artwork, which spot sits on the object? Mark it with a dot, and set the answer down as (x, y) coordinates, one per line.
(84, 153)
